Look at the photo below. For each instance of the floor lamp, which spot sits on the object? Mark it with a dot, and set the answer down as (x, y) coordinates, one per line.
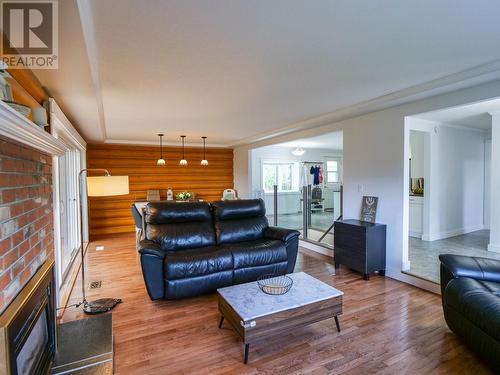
(101, 186)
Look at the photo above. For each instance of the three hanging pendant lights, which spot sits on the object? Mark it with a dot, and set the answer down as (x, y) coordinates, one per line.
(183, 161)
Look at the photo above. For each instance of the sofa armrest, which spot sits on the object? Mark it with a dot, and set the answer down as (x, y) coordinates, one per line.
(456, 266)
(151, 248)
(291, 239)
(281, 234)
(152, 258)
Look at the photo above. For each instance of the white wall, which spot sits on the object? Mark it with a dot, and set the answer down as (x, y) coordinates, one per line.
(374, 163)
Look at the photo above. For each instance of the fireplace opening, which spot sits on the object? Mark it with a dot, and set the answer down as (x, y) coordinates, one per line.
(27, 327)
(32, 352)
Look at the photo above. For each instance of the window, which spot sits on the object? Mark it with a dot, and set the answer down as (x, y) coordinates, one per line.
(285, 175)
(332, 171)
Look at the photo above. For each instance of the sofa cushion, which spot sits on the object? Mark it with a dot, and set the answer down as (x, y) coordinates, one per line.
(182, 288)
(197, 262)
(257, 253)
(238, 221)
(170, 212)
(477, 301)
(178, 226)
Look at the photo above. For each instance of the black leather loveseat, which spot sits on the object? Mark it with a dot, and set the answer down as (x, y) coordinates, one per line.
(195, 247)
(470, 290)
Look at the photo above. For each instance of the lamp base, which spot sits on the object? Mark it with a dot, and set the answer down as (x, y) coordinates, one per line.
(100, 305)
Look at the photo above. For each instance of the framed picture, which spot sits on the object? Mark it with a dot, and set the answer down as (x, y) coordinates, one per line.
(369, 209)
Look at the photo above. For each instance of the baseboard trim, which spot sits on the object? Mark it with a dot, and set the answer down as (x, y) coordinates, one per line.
(451, 233)
(412, 280)
(494, 248)
(415, 234)
(316, 248)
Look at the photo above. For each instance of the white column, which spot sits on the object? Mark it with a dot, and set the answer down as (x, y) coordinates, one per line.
(495, 184)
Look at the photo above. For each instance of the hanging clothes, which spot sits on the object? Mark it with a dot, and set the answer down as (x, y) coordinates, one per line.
(320, 174)
(315, 172)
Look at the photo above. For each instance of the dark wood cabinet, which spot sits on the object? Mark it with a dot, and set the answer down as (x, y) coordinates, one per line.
(360, 246)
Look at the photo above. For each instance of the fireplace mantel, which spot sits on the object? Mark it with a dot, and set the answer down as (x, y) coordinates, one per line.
(18, 128)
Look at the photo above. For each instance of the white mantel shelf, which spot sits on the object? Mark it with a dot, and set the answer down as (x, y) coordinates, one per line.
(16, 127)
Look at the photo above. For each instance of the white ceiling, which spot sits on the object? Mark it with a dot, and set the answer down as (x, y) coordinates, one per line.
(329, 141)
(237, 69)
(475, 115)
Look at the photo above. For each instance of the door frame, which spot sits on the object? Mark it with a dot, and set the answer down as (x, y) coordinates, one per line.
(62, 128)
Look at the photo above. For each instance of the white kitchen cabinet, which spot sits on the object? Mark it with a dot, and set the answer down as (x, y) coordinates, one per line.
(416, 216)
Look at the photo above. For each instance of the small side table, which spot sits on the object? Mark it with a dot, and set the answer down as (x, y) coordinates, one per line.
(360, 246)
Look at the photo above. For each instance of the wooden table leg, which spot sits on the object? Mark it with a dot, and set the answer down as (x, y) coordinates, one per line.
(221, 321)
(337, 323)
(247, 349)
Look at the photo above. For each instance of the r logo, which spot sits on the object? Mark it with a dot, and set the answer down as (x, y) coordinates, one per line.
(30, 35)
(28, 27)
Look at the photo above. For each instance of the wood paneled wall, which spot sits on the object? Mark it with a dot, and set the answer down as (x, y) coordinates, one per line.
(110, 215)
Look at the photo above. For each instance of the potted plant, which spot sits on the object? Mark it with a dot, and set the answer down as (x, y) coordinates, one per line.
(183, 196)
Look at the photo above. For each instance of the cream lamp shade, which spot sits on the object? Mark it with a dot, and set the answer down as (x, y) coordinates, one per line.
(104, 186)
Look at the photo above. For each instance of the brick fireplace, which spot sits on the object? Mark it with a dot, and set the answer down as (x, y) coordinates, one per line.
(26, 217)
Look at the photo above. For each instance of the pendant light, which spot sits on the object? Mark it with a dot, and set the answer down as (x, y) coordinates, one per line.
(183, 160)
(204, 161)
(299, 151)
(161, 162)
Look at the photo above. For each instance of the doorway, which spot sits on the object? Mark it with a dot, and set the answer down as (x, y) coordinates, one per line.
(301, 184)
(449, 206)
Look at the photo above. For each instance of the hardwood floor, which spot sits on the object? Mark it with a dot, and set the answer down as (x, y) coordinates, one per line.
(387, 327)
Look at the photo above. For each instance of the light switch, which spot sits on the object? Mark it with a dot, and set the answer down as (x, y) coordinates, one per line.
(361, 188)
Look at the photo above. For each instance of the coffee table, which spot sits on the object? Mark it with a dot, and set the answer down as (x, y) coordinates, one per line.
(255, 315)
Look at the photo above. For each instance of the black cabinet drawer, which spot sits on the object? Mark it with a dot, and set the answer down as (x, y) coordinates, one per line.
(360, 246)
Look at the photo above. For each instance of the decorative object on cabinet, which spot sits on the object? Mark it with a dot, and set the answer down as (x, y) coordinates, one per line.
(360, 245)
(183, 196)
(40, 117)
(417, 186)
(22, 109)
(229, 195)
(153, 195)
(170, 194)
(204, 161)
(183, 161)
(5, 88)
(161, 162)
(369, 209)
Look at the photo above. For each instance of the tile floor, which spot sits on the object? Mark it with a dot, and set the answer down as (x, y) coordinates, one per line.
(423, 255)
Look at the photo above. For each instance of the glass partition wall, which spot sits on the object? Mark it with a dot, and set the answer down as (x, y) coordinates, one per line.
(311, 211)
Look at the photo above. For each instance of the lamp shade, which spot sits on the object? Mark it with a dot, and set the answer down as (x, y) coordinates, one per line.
(104, 186)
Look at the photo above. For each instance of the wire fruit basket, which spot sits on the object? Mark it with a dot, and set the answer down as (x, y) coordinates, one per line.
(274, 284)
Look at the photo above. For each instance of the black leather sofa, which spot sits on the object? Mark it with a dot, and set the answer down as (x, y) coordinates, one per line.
(193, 248)
(470, 290)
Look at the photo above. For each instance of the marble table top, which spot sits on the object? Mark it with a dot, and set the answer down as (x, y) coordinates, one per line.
(251, 303)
